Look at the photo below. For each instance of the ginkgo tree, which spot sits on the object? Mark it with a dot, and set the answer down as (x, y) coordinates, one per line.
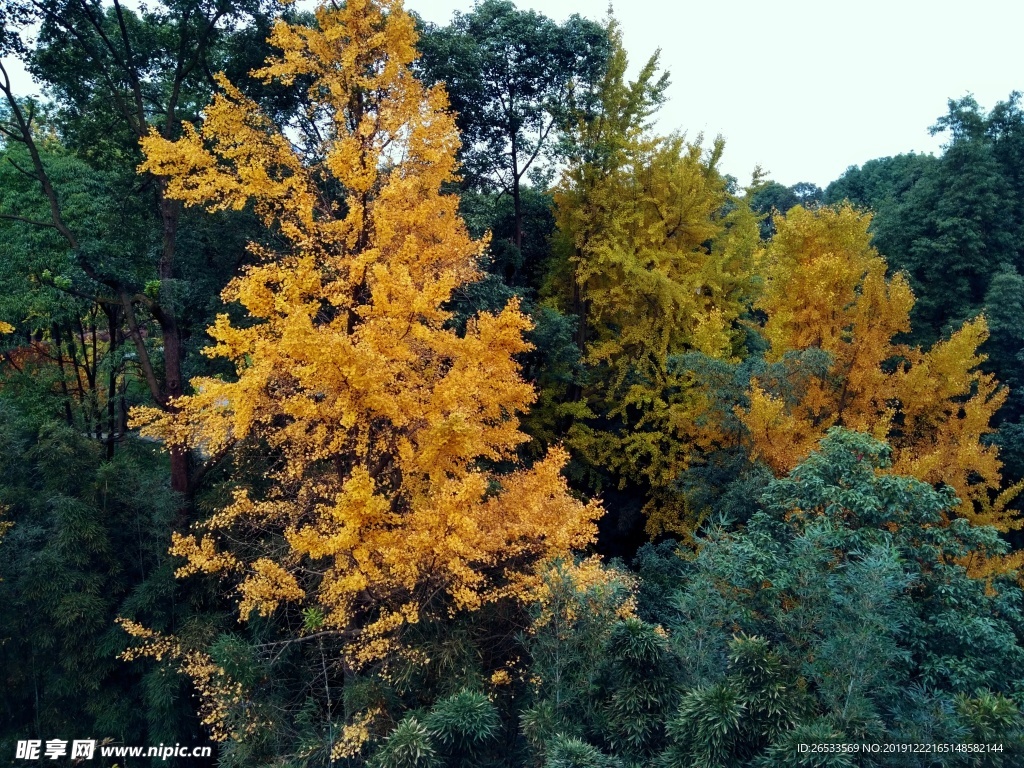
(826, 287)
(381, 424)
(654, 260)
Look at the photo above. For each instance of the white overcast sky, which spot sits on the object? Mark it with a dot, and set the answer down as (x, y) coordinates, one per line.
(805, 89)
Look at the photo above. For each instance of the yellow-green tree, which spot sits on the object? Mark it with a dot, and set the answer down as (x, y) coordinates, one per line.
(379, 421)
(655, 261)
(826, 287)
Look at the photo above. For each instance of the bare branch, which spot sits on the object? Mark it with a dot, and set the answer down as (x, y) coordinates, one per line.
(132, 72)
(33, 222)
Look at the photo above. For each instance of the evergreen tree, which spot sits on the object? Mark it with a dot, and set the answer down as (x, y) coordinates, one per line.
(861, 621)
(85, 542)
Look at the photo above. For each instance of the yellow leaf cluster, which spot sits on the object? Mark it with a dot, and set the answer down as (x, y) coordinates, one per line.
(589, 579)
(658, 262)
(826, 287)
(219, 695)
(355, 734)
(379, 420)
(639, 239)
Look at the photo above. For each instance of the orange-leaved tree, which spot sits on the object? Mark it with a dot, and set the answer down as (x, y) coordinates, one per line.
(381, 424)
(826, 287)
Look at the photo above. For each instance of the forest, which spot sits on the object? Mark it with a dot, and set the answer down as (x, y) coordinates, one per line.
(383, 393)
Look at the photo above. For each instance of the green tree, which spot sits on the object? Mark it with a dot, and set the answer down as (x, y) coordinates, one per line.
(88, 543)
(114, 74)
(511, 76)
(879, 182)
(950, 222)
(859, 597)
(841, 612)
(955, 225)
(770, 198)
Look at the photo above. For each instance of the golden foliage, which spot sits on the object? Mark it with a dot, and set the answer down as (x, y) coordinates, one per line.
(355, 734)
(641, 258)
(594, 583)
(656, 261)
(379, 420)
(218, 694)
(826, 287)
(669, 273)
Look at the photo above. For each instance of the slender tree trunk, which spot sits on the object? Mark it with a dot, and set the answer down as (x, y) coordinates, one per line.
(122, 400)
(517, 200)
(170, 212)
(73, 351)
(112, 345)
(58, 341)
(517, 206)
(95, 392)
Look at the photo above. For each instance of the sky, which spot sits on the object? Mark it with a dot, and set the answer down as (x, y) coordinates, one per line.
(806, 89)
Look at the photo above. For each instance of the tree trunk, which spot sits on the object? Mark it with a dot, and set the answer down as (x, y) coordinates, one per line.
(112, 344)
(170, 212)
(517, 205)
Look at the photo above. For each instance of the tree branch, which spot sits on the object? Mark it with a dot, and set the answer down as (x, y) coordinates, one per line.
(143, 353)
(33, 222)
(130, 69)
(25, 126)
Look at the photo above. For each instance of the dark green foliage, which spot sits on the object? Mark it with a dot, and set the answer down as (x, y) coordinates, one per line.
(113, 74)
(458, 731)
(462, 725)
(988, 719)
(829, 607)
(730, 721)
(431, 708)
(1004, 311)
(569, 752)
(154, 69)
(722, 480)
(92, 506)
(521, 267)
(785, 752)
(37, 263)
(954, 223)
(606, 684)
(637, 686)
(942, 221)
(1010, 439)
(769, 199)
(511, 77)
(409, 746)
(880, 183)
(838, 613)
(568, 644)
(555, 366)
(88, 544)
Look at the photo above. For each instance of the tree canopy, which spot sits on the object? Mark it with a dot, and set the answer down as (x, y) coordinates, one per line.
(381, 393)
